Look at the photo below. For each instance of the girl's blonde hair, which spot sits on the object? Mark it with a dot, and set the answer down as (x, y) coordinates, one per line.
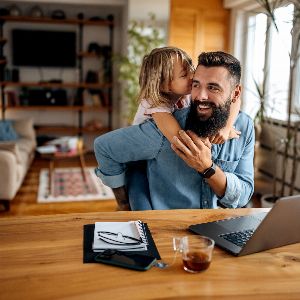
(157, 72)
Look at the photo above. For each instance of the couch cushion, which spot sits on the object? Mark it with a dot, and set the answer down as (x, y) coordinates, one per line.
(26, 145)
(12, 147)
(7, 131)
(24, 128)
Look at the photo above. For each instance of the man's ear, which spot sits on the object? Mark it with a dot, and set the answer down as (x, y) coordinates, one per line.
(236, 93)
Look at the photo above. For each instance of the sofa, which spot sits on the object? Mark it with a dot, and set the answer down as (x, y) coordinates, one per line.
(15, 158)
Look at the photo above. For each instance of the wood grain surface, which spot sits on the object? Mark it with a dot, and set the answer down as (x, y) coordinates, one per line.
(41, 258)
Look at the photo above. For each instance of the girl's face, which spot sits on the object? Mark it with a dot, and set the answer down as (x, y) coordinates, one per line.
(181, 83)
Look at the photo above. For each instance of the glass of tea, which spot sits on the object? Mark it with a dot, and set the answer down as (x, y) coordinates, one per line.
(196, 252)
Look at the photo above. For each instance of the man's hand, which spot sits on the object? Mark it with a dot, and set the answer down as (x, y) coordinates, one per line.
(196, 152)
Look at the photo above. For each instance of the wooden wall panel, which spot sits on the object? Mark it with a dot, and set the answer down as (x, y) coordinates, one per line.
(198, 25)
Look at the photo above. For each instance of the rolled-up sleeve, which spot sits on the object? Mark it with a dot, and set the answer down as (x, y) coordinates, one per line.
(240, 183)
(115, 149)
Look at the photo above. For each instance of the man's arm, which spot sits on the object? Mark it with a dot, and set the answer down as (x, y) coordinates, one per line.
(197, 154)
(233, 189)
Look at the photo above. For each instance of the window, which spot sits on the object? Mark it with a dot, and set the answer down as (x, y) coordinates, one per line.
(255, 62)
(279, 61)
(266, 62)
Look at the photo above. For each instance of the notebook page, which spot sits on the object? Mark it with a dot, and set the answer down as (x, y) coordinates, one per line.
(125, 228)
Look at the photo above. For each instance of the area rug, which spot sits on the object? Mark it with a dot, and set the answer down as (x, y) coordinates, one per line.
(68, 185)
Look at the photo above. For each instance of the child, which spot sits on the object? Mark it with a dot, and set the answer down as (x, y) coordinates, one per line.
(165, 85)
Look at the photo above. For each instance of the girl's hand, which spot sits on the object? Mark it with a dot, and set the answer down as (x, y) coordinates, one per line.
(225, 134)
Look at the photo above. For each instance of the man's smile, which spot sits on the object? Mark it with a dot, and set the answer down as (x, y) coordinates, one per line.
(204, 108)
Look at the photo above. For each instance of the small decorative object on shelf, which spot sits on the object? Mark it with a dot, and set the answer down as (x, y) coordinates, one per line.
(36, 12)
(15, 11)
(58, 14)
(80, 16)
(94, 48)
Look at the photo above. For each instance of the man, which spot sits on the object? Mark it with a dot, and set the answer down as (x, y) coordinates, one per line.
(190, 173)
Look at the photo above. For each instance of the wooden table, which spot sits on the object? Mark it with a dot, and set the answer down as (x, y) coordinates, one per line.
(41, 258)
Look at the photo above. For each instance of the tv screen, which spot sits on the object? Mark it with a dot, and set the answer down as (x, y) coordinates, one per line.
(44, 48)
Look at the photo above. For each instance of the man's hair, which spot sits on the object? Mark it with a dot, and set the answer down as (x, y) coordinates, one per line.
(157, 72)
(222, 59)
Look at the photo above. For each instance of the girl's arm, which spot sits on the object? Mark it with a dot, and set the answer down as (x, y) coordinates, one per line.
(228, 132)
(167, 124)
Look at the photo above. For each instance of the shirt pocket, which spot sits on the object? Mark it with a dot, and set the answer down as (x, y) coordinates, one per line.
(227, 166)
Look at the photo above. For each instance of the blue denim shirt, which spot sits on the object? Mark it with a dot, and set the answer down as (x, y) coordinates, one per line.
(172, 183)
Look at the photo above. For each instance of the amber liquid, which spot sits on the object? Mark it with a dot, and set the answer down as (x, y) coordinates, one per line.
(196, 262)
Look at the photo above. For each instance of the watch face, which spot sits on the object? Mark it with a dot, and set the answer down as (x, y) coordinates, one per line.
(210, 172)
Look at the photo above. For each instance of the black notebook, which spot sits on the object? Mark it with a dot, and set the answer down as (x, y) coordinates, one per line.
(88, 239)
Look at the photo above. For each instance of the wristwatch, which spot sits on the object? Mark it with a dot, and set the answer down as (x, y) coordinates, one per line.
(210, 171)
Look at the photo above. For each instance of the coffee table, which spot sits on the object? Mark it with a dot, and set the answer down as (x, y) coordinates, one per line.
(58, 156)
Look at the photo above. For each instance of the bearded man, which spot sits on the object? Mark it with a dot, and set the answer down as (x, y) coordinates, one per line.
(190, 172)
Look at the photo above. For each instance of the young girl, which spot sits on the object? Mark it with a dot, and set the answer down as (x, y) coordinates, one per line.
(165, 85)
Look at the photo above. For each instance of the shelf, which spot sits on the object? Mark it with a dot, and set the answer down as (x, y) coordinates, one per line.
(58, 108)
(27, 19)
(105, 87)
(88, 55)
(95, 131)
(68, 129)
(56, 129)
(57, 85)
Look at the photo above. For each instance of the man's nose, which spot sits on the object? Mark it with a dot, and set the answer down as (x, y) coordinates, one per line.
(201, 94)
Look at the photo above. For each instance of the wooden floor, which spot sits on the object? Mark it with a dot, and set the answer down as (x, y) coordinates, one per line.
(25, 203)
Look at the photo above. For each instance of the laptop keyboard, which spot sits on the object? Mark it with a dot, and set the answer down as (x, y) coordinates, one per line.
(238, 238)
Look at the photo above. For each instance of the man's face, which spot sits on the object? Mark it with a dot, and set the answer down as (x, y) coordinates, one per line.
(212, 93)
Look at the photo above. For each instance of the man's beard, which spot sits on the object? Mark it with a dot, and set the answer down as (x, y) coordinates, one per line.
(212, 125)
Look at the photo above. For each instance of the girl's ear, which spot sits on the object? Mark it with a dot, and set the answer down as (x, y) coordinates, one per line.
(236, 93)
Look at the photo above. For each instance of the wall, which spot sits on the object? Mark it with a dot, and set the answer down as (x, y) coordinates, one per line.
(199, 25)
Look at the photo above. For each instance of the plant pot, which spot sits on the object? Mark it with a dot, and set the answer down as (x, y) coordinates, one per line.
(268, 200)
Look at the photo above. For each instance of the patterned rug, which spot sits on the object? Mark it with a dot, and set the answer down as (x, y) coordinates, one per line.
(68, 185)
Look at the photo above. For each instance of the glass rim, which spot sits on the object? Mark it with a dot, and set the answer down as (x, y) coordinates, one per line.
(211, 242)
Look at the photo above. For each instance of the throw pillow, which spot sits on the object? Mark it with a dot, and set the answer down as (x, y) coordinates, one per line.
(7, 131)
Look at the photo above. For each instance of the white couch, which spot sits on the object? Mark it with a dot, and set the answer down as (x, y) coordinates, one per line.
(15, 159)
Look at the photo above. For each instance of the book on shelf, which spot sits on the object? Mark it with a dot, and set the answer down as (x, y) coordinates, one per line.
(122, 236)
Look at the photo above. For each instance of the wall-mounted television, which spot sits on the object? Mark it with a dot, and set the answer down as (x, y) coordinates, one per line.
(43, 48)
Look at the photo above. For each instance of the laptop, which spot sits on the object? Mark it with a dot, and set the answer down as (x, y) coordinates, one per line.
(254, 233)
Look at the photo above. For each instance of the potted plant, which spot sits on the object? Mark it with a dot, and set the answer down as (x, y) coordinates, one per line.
(287, 146)
(143, 36)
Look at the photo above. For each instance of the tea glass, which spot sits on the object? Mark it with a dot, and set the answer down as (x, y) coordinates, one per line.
(196, 252)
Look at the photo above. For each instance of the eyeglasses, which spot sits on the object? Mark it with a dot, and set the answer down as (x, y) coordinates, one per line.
(113, 238)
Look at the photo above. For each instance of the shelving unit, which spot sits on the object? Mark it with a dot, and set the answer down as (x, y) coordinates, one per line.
(80, 86)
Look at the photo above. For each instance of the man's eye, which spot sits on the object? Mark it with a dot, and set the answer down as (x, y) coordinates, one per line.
(195, 85)
(213, 88)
